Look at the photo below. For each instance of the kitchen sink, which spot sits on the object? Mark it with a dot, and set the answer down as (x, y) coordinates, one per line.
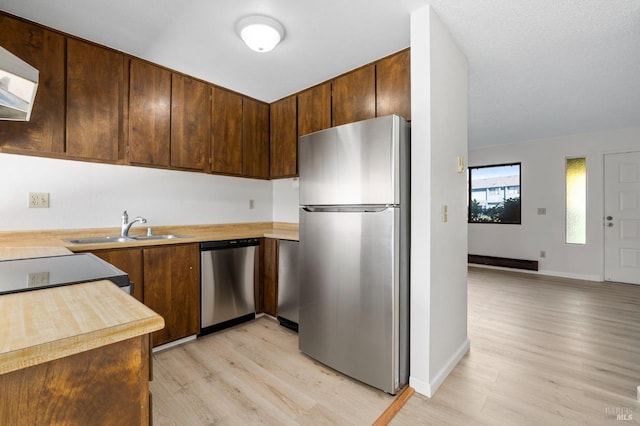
(119, 239)
(157, 237)
(102, 240)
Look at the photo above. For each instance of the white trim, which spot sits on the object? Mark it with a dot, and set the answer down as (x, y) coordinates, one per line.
(428, 389)
(174, 343)
(597, 278)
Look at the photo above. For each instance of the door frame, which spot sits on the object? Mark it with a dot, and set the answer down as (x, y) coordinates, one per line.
(603, 154)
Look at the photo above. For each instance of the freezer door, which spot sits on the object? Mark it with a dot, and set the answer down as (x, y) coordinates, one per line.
(349, 293)
(358, 163)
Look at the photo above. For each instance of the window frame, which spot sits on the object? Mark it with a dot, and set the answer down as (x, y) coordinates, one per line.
(470, 192)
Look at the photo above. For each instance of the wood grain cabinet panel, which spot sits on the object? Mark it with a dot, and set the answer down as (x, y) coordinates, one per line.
(255, 135)
(108, 385)
(190, 123)
(172, 289)
(354, 96)
(95, 77)
(149, 114)
(226, 149)
(270, 279)
(393, 85)
(44, 50)
(284, 138)
(129, 261)
(314, 109)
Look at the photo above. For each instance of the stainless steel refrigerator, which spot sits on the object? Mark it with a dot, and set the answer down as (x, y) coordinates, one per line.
(354, 250)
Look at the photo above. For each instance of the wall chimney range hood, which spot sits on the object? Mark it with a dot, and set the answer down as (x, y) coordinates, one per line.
(18, 85)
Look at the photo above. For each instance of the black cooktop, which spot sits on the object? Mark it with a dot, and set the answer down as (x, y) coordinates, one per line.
(41, 272)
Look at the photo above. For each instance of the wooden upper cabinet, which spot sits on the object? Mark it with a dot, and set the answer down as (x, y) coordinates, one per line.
(284, 138)
(190, 123)
(354, 96)
(314, 109)
(255, 116)
(149, 114)
(95, 79)
(44, 50)
(226, 146)
(393, 85)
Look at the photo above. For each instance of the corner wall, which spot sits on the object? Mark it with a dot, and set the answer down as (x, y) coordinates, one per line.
(439, 103)
(543, 185)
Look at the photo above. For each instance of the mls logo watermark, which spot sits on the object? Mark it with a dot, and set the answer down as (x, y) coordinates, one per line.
(619, 413)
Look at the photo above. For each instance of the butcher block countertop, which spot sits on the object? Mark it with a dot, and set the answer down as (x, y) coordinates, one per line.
(43, 325)
(61, 239)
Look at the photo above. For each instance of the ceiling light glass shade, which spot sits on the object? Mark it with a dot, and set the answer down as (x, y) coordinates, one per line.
(260, 33)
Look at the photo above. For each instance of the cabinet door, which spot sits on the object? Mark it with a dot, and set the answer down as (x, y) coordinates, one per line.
(44, 50)
(393, 85)
(95, 78)
(172, 289)
(284, 138)
(354, 96)
(129, 261)
(314, 109)
(149, 114)
(270, 281)
(255, 131)
(226, 148)
(190, 122)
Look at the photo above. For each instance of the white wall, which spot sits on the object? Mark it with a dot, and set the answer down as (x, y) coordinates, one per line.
(285, 200)
(543, 185)
(439, 99)
(92, 195)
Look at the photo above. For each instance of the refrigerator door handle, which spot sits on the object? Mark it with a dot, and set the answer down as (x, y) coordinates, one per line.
(349, 209)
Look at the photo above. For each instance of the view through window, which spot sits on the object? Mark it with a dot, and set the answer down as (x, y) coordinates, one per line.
(494, 194)
(576, 209)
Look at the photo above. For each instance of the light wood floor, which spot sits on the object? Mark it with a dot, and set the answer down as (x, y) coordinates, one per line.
(544, 351)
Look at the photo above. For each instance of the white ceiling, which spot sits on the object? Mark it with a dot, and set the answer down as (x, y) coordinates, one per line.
(537, 68)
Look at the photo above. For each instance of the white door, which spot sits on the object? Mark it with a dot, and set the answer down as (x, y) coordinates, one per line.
(622, 217)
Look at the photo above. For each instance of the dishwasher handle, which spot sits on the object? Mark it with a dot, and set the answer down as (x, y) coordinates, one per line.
(227, 244)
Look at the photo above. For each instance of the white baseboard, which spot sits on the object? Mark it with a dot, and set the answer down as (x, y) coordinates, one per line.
(542, 272)
(174, 343)
(429, 388)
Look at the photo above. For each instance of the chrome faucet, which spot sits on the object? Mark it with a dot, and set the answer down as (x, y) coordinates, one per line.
(126, 225)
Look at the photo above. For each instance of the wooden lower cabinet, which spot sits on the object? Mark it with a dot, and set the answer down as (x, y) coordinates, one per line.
(129, 261)
(167, 280)
(106, 385)
(270, 277)
(172, 289)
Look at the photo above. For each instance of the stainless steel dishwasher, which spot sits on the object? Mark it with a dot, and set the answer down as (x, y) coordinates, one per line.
(288, 284)
(227, 277)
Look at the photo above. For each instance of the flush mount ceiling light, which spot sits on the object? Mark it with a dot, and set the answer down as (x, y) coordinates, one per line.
(260, 33)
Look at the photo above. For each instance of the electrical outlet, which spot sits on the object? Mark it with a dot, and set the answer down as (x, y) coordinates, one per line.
(38, 200)
(543, 254)
(251, 204)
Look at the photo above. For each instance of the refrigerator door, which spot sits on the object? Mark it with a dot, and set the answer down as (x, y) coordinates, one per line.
(350, 292)
(356, 163)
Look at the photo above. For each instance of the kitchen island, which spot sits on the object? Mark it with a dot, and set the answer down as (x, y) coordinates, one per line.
(77, 354)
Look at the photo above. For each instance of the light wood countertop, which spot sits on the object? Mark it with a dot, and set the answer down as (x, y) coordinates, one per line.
(193, 234)
(43, 325)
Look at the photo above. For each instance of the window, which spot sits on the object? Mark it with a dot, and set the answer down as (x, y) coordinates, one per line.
(494, 194)
(576, 200)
